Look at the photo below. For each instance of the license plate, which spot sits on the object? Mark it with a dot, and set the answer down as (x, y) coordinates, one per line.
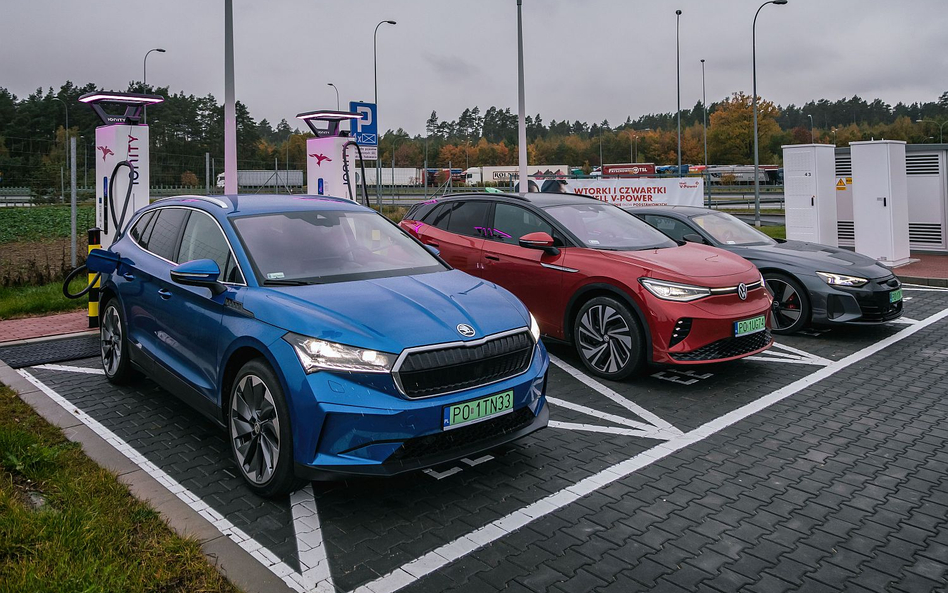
(750, 326)
(895, 296)
(477, 410)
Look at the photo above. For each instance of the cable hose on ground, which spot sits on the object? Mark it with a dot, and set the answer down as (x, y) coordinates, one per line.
(71, 276)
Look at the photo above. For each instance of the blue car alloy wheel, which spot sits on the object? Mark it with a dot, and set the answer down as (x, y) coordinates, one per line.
(325, 340)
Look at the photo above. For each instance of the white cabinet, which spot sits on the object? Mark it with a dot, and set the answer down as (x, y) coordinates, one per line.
(809, 173)
(880, 201)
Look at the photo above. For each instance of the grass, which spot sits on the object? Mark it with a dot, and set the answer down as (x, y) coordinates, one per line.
(92, 535)
(775, 232)
(36, 223)
(23, 301)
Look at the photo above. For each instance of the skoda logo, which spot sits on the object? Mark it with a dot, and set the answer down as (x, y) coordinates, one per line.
(468, 332)
(742, 291)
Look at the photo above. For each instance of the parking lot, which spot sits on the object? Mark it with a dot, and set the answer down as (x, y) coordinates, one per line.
(820, 464)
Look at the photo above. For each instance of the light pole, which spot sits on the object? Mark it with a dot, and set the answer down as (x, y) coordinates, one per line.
(834, 136)
(600, 150)
(521, 105)
(941, 128)
(678, 54)
(756, 139)
(337, 94)
(704, 106)
(636, 137)
(230, 103)
(145, 79)
(66, 136)
(811, 127)
(375, 65)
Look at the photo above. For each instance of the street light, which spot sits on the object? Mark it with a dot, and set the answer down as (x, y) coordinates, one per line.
(375, 63)
(145, 79)
(811, 127)
(834, 136)
(524, 180)
(941, 128)
(756, 139)
(678, 53)
(636, 136)
(337, 94)
(704, 106)
(66, 136)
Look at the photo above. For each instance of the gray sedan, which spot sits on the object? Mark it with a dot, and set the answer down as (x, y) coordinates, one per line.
(811, 283)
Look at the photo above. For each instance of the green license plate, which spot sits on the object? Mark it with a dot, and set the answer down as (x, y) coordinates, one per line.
(750, 326)
(476, 410)
(895, 296)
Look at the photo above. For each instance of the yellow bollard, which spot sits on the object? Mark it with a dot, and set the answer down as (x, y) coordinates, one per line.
(94, 238)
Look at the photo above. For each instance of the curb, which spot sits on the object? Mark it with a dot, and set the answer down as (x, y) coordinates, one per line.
(941, 282)
(232, 561)
(52, 338)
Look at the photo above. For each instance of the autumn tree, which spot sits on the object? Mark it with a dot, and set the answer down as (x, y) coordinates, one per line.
(731, 133)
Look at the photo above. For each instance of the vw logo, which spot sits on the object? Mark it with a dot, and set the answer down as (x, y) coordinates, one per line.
(742, 291)
(467, 331)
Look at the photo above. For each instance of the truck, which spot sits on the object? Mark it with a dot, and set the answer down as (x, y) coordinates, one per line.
(250, 178)
(508, 175)
(399, 176)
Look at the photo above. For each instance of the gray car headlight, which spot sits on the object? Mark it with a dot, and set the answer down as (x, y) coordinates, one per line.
(673, 291)
(320, 355)
(842, 279)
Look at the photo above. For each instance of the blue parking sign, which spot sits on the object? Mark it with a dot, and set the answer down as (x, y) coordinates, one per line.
(365, 130)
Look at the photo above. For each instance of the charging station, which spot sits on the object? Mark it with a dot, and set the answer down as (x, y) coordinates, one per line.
(331, 156)
(810, 193)
(880, 201)
(121, 164)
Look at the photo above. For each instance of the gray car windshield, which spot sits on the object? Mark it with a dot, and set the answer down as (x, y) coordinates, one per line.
(602, 226)
(729, 230)
(318, 246)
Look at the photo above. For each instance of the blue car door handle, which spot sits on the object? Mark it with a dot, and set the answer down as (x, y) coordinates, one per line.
(128, 276)
(164, 294)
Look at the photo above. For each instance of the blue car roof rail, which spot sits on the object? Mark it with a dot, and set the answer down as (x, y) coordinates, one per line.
(215, 201)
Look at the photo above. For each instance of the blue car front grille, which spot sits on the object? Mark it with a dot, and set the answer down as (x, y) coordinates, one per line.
(437, 371)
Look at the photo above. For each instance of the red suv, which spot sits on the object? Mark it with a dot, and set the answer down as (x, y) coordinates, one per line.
(595, 275)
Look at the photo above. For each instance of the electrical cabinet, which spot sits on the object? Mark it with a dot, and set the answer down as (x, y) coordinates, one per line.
(810, 192)
(880, 201)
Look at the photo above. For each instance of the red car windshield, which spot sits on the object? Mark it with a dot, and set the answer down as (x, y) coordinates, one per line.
(602, 226)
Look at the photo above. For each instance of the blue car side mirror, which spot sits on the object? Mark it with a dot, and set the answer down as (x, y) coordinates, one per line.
(102, 261)
(200, 272)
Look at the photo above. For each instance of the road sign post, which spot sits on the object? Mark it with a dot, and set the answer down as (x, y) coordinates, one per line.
(365, 132)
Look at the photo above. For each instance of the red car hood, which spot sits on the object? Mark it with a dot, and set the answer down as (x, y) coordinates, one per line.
(690, 262)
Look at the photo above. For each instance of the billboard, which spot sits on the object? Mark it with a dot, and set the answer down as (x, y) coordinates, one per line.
(642, 191)
(628, 170)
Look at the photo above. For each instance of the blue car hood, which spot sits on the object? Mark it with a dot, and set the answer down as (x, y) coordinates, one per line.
(390, 314)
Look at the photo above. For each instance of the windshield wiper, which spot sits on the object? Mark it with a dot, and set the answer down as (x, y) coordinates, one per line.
(286, 283)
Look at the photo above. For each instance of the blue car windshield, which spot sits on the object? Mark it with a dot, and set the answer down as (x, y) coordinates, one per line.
(319, 246)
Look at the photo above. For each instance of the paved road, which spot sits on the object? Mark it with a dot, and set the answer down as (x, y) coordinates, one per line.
(820, 465)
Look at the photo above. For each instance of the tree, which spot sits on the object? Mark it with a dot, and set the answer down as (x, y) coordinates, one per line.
(731, 134)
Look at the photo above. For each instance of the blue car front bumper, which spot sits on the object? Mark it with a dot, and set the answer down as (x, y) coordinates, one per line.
(347, 425)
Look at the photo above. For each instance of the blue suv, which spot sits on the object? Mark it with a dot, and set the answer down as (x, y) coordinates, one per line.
(326, 340)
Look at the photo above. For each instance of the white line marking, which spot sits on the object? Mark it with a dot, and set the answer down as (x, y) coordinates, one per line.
(69, 369)
(631, 406)
(441, 475)
(597, 414)
(491, 532)
(478, 461)
(314, 565)
(922, 288)
(629, 432)
(791, 356)
(905, 320)
(221, 523)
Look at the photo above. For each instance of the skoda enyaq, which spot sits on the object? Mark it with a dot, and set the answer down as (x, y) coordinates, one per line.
(623, 293)
(325, 339)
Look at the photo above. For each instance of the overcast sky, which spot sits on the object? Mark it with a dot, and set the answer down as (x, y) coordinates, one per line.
(585, 59)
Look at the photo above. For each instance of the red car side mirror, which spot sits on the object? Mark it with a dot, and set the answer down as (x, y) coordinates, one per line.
(539, 240)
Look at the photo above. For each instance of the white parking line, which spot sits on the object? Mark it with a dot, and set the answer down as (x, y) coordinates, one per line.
(491, 532)
(611, 394)
(289, 576)
(629, 432)
(597, 414)
(310, 547)
(69, 369)
(790, 356)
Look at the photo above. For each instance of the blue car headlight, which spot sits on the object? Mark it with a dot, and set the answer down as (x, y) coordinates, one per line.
(320, 355)
(534, 328)
(842, 279)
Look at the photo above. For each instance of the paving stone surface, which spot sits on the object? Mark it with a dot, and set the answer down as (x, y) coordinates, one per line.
(843, 486)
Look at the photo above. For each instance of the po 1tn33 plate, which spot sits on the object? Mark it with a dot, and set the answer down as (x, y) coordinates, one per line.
(476, 410)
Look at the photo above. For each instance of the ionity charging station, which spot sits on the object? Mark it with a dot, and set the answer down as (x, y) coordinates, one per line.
(121, 164)
(331, 156)
(809, 175)
(880, 201)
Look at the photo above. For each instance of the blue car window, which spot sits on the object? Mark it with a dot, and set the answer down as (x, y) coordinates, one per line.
(138, 231)
(320, 246)
(203, 239)
(163, 233)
